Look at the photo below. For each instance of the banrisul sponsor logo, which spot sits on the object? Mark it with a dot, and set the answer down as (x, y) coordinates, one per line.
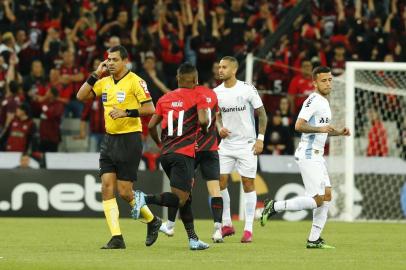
(69, 197)
(233, 109)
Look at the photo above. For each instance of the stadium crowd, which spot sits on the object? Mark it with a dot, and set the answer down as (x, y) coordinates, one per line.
(47, 47)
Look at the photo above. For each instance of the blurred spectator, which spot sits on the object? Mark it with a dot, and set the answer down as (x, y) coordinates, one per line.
(7, 47)
(236, 23)
(73, 76)
(286, 115)
(172, 44)
(35, 81)
(155, 79)
(144, 45)
(300, 87)
(9, 106)
(20, 133)
(337, 64)
(377, 136)
(214, 79)
(52, 47)
(94, 115)
(119, 28)
(278, 138)
(205, 42)
(7, 17)
(25, 161)
(49, 128)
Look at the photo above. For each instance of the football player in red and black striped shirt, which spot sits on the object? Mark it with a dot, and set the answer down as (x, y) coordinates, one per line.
(181, 114)
(207, 159)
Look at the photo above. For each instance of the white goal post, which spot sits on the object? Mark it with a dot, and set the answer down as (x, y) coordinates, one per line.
(380, 78)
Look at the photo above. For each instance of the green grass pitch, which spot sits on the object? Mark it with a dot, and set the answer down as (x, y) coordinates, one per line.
(73, 243)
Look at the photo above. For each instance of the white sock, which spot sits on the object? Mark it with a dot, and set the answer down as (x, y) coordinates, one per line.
(319, 220)
(170, 224)
(295, 204)
(226, 207)
(250, 205)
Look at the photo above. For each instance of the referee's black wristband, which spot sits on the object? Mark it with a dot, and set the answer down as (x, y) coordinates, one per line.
(133, 113)
(92, 79)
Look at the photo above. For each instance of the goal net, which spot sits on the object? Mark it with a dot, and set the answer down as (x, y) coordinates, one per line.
(368, 169)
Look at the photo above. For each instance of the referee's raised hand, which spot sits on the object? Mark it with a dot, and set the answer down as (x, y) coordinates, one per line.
(117, 113)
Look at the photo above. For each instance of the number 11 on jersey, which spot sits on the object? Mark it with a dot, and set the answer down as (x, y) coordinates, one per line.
(180, 123)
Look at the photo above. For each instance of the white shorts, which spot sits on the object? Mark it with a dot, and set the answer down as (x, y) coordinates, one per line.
(240, 157)
(314, 175)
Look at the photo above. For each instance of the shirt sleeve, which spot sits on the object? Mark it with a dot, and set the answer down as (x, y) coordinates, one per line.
(141, 91)
(254, 98)
(308, 108)
(203, 102)
(158, 108)
(98, 87)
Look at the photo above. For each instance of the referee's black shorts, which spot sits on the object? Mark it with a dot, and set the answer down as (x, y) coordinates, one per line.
(179, 169)
(121, 154)
(209, 164)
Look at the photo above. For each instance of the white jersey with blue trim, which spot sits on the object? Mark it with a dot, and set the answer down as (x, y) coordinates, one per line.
(316, 111)
(237, 105)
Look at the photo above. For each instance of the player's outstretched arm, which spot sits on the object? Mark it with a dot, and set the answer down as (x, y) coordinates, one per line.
(152, 127)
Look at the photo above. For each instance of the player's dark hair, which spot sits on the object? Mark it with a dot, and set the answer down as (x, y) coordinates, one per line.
(320, 69)
(121, 49)
(186, 68)
(231, 59)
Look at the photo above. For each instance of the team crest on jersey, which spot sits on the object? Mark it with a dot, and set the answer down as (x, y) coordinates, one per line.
(104, 97)
(208, 100)
(120, 96)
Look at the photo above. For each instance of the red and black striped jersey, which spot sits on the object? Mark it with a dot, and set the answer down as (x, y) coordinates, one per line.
(208, 141)
(178, 109)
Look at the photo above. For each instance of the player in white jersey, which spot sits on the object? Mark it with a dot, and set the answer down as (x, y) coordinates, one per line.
(239, 146)
(314, 123)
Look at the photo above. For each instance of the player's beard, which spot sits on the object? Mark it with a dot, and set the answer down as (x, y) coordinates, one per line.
(225, 78)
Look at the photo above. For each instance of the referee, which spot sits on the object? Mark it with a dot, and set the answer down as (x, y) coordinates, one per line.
(125, 98)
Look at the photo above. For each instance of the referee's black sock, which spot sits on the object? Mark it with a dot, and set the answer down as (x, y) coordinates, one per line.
(167, 199)
(186, 215)
(217, 209)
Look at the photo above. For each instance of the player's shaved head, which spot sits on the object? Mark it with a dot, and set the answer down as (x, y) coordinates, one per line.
(187, 75)
(232, 60)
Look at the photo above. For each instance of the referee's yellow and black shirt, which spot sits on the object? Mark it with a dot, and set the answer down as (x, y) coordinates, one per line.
(130, 92)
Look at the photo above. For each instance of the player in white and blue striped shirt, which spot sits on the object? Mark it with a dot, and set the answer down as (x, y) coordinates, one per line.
(314, 123)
